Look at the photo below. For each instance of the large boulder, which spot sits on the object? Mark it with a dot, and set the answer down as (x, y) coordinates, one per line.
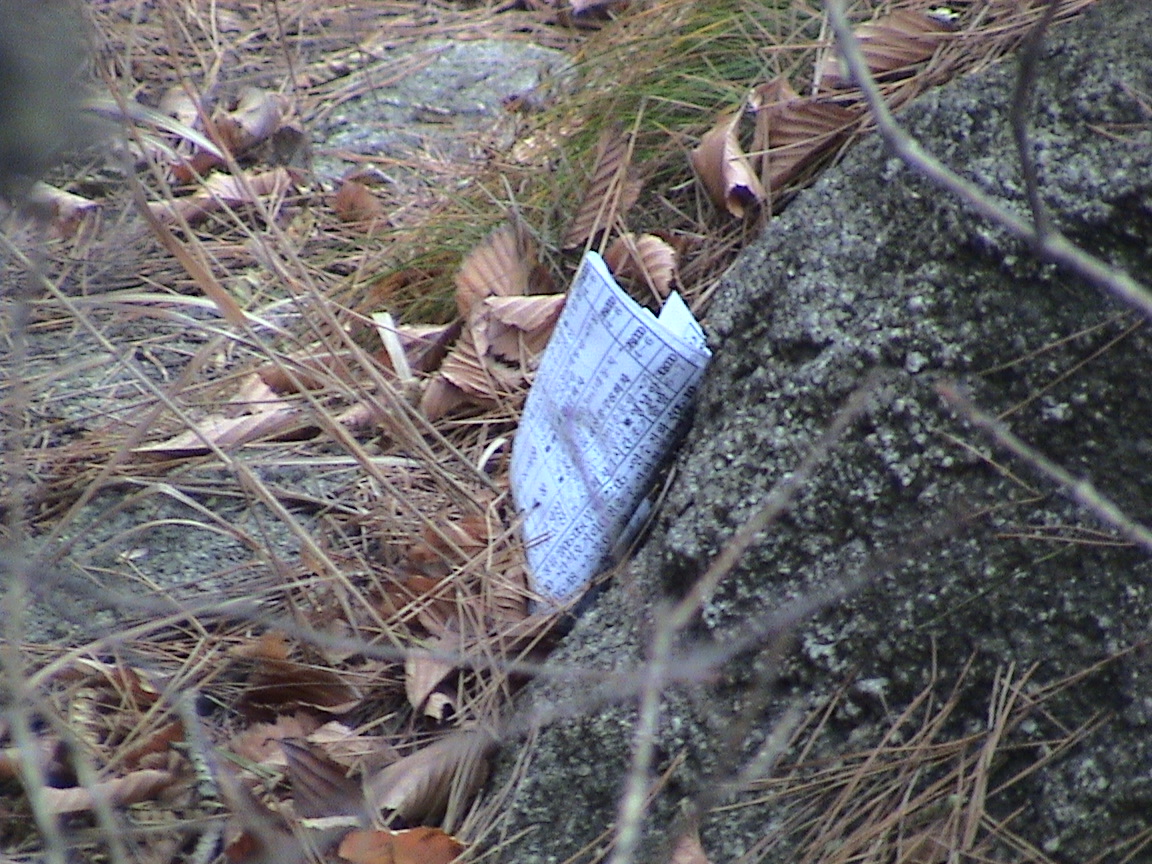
(982, 577)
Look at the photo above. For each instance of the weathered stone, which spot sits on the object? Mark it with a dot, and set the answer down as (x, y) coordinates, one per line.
(874, 269)
(440, 99)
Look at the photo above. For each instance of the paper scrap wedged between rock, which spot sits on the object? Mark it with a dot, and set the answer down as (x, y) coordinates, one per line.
(609, 400)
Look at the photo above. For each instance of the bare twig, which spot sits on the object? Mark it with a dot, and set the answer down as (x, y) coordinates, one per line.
(670, 622)
(1079, 490)
(778, 500)
(630, 811)
(1021, 108)
(1053, 246)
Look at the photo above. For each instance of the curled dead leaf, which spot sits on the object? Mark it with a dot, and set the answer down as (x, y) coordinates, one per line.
(890, 45)
(506, 593)
(724, 170)
(791, 131)
(228, 433)
(442, 397)
(421, 786)
(355, 202)
(133, 683)
(645, 257)
(224, 190)
(269, 645)
(151, 745)
(421, 845)
(260, 742)
(351, 748)
(320, 785)
(611, 191)
(256, 117)
(424, 675)
(501, 266)
(502, 326)
(281, 685)
(515, 329)
(64, 211)
(421, 597)
(465, 378)
(177, 102)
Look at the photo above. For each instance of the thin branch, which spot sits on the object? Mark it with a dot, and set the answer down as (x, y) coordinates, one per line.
(1052, 246)
(1018, 113)
(778, 501)
(1079, 490)
(630, 811)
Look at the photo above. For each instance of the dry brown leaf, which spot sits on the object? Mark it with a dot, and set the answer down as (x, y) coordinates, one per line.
(228, 433)
(355, 202)
(427, 345)
(610, 193)
(269, 645)
(486, 383)
(724, 169)
(688, 848)
(421, 845)
(311, 370)
(515, 329)
(177, 102)
(442, 397)
(255, 394)
(792, 131)
(645, 257)
(280, 685)
(142, 785)
(285, 685)
(470, 380)
(500, 266)
(257, 116)
(423, 597)
(890, 44)
(253, 833)
(159, 741)
(64, 211)
(419, 787)
(506, 593)
(47, 750)
(381, 291)
(260, 742)
(132, 683)
(192, 168)
(451, 541)
(503, 266)
(224, 190)
(320, 786)
(352, 749)
(424, 675)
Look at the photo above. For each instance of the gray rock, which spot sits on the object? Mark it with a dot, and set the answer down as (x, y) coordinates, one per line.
(874, 269)
(431, 101)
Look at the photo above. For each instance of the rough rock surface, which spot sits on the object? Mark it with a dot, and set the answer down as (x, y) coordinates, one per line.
(430, 101)
(874, 269)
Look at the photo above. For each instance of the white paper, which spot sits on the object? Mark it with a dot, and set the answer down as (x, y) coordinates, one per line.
(612, 389)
